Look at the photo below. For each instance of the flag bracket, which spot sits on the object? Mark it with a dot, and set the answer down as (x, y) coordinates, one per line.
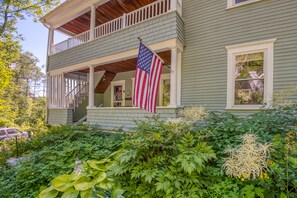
(165, 64)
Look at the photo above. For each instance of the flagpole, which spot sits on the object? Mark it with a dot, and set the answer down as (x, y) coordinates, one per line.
(167, 65)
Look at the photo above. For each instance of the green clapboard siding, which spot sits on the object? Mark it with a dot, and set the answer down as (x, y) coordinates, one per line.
(209, 27)
(161, 28)
(124, 118)
(60, 116)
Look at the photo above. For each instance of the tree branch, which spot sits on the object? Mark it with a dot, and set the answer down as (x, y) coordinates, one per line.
(3, 27)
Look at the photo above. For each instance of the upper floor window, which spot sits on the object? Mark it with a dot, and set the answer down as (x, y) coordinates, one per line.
(250, 75)
(235, 3)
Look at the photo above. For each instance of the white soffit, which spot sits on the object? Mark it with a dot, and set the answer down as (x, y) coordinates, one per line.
(68, 11)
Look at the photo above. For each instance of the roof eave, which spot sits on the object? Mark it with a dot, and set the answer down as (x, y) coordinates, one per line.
(68, 11)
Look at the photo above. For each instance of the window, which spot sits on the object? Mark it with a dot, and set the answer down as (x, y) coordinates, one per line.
(118, 93)
(12, 131)
(236, 3)
(250, 75)
(2, 133)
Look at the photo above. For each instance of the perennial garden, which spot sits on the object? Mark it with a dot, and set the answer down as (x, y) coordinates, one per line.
(200, 154)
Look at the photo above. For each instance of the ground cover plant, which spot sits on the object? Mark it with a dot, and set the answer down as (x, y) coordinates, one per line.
(199, 154)
(53, 154)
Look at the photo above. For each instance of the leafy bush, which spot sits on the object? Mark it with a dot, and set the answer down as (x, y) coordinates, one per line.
(87, 180)
(226, 128)
(175, 158)
(283, 166)
(53, 136)
(54, 154)
(157, 162)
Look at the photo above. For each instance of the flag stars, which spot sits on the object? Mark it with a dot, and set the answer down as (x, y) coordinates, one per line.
(144, 60)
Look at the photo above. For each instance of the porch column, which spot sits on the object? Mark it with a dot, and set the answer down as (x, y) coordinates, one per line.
(176, 5)
(91, 87)
(50, 44)
(175, 77)
(173, 4)
(92, 22)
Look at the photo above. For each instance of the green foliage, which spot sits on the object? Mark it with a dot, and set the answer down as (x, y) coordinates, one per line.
(11, 11)
(54, 154)
(18, 68)
(88, 179)
(176, 158)
(227, 128)
(283, 165)
(157, 162)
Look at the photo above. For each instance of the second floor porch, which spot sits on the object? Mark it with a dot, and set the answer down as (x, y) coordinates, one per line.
(111, 28)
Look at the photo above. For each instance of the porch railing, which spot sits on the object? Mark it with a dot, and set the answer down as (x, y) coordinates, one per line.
(126, 20)
(71, 42)
(63, 92)
(77, 95)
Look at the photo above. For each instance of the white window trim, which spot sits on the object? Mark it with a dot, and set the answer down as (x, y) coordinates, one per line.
(232, 4)
(133, 82)
(117, 83)
(266, 46)
(161, 88)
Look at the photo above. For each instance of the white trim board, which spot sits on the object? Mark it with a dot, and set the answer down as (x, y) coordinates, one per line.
(118, 83)
(265, 46)
(157, 47)
(232, 4)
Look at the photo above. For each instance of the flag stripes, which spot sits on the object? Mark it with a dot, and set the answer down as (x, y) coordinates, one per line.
(147, 79)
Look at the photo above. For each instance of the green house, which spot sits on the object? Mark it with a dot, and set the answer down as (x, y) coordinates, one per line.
(226, 55)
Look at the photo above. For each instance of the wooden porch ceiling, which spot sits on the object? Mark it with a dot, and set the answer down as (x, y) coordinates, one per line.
(104, 13)
(127, 65)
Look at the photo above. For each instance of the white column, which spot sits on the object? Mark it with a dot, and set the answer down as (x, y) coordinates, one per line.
(63, 91)
(173, 4)
(178, 77)
(93, 22)
(91, 87)
(124, 20)
(48, 91)
(179, 7)
(173, 78)
(50, 44)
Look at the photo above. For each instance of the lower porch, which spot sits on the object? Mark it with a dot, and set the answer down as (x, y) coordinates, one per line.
(123, 118)
(103, 94)
(109, 118)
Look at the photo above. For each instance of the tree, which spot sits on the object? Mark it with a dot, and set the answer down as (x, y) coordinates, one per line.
(17, 70)
(25, 72)
(11, 11)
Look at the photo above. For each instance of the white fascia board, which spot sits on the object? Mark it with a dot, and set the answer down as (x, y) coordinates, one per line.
(68, 11)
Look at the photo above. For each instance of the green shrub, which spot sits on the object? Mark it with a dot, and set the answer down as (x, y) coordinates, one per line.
(226, 128)
(283, 166)
(55, 154)
(158, 162)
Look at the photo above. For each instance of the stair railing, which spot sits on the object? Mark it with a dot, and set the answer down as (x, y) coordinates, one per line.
(73, 97)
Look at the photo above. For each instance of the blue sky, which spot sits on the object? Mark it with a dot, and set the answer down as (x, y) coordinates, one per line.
(35, 38)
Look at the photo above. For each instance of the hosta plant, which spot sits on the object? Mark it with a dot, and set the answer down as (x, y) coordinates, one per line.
(88, 180)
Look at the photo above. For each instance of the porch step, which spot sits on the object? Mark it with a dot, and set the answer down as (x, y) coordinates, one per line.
(80, 121)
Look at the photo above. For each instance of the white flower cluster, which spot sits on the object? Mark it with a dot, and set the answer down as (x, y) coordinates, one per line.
(189, 116)
(248, 160)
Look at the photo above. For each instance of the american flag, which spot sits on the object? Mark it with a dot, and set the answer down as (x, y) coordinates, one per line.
(148, 73)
